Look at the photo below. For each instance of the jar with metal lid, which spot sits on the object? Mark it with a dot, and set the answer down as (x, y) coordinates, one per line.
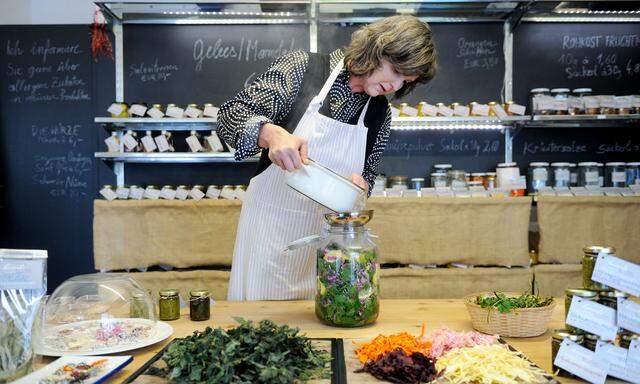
(398, 182)
(213, 192)
(588, 175)
(589, 263)
(196, 187)
(438, 180)
(573, 174)
(616, 175)
(456, 179)
(576, 101)
(610, 298)
(417, 183)
(491, 105)
(508, 174)
(182, 192)
(422, 109)
(442, 168)
(169, 304)
(227, 192)
(471, 105)
(239, 191)
(538, 176)
(478, 176)
(151, 192)
(556, 340)
(490, 182)
(116, 106)
(626, 338)
(167, 192)
(561, 96)
(156, 111)
(506, 106)
(199, 305)
(584, 294)
(439, 106)
(561, 175)
(135, 192)
(130, 141)
(537, 95)
(633, 173)
(590, 341)
(194, 108)
(138, 307)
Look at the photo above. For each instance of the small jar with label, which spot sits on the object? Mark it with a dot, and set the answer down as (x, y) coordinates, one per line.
(422, 109)
(213, 192)
(148, 143)
(194, 141)
(584, 294)
(169, 304)
(113, 143)
(471, 105)
(506, 105)
(588, 175)
(491, 105)
(228, 192)
(456, 179)
(199, 305)
(123, 107)
(601, 174)
(608, 105)
(169, 138)
(623, 105)
(182, 192)
(591, 105)
(556, 340)
(138, 109)
(398, 182)
(610, 298)
(135, 192)
(535, 96)
(590, 341)
(417, 183)
(194, 107)
(538, 176)
(131, 145)
(633, 173)
(108, 192)
(616, 175)
(151, 192)
(197, 187)
(156, 111)
(167, 192)
(438, 180)
(561, 175)
(626, 338)
(573, 174)
(508, 174)
(442, 168)
(490, 182)
(561, 97)
(577, 101)
(589, 263)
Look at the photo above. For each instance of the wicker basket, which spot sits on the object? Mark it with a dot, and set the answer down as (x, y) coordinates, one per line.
(521, 322)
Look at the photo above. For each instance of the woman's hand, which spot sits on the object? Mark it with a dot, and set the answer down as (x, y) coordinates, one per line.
(287, 151)
(360, 181)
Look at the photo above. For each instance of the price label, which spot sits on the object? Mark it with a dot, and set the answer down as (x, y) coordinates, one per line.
(445, 111)
(629, 315)
(240, 193)
(480, 110)
(175, 112)
(149, 144)
(213, 193)
(581, 362)
(214, 142)
(409, 111)
(115, 109)
(182, 194)
(162, 143)
(516, 109)
(617, 273)
(130, 142)
(136, 193)
(151, 194)
(194, 144)
(113, 145)
(123, 193)
(193, 112)
(196, 194)
(617, 359)
(22, 269)
(168, 193)
(138, 110)
(155, 113)
(211, 111)
(499, 111)
(228, 193)
(461, 110)
(594, 318)
(108, 194)
(429, 110)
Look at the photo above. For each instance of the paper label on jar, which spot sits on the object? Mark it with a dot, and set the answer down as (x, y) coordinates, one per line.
(591, 177)
(193, 112)
(617, 273)
(429, 110)
(148, 143)
(563, 174)
(112, 144)
(499, 111)
(590, 102)
(130, 142)
(123, 193)
(196, 194)
(108, 194)
(440, 183)
(618, 177)
(138, 110)
(559, 105)
(115, 108)
(445, 111)
(155, 113)
(168, 193)
(517, 109)
(574, 178)
(395, 112)
(582, 362)
(616, 357)
(194, 144)
(182, 194)
(228, 194)
(136, 193)
(211, 111)
(409, 111)
(593, 317)
(629, 315)
(480, 110)
(540, 174)
(175, 112)
(162, 143)
(544, 104)
(633, 356)
(214, 142)
(240, 193)
(151, 194)
(213, 193)
(461, 110)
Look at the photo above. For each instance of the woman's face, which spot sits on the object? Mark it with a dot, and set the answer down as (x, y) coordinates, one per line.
(384, 80)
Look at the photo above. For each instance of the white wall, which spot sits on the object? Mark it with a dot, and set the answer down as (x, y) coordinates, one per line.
(46, 11)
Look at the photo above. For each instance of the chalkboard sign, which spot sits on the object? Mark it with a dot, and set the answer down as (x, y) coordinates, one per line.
(604, 57)
(47, 140)
(470, 61)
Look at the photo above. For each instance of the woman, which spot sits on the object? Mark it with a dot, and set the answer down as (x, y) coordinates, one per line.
(331, 108)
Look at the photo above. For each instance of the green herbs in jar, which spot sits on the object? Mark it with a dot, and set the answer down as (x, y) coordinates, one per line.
(589, 264)
(584, 294)
(199, 305)
(169, 304)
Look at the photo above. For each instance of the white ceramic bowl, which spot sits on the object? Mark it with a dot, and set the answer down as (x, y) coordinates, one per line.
(326, 187)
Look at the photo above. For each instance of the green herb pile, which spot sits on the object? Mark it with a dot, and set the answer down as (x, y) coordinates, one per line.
(505, 303)
(266, 353)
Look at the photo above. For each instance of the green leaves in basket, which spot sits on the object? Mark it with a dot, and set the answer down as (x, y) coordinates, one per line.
(504, 303)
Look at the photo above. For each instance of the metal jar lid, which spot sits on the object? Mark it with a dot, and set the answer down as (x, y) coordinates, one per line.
(349, 219)
(199, 293)
(564, 334)
(583, 293)
(539, 90)
(539, 164)
(213, 186)
(588, 164)
(157, 106)
(613, 294)
(133, 186)
(616, 164)
(168, 292)
(595, 250)
(591, 337)
(198, 186)
(167, 187)
(629, 336)
(138, 295)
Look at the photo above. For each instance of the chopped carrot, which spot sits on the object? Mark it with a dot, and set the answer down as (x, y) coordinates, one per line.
(98, 362)
(382, 344)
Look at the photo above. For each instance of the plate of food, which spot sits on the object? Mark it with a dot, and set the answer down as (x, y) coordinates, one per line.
(77, 370)
(100, 337)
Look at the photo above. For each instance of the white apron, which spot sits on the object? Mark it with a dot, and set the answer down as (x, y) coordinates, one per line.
(273, 214)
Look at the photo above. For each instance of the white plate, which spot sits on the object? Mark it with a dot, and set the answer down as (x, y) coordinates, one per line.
(159, 331)
(99, 374)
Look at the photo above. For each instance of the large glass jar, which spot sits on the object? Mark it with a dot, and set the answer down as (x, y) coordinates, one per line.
(589, 263)
(633, 173)
(561, 175)
(536, 95)
(588, 174)
(616, 175)
(538, 176)
(347, 272)
(457, 179)
(439, 180)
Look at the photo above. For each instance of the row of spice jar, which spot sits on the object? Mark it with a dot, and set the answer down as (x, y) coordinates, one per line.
(424, 109)
(169, 305)
(158, 111)
(163, 142)
(562, 101)
(169, 192)
(584, 174)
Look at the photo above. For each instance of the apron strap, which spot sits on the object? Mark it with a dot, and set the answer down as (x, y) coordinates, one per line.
(364, 112)
(319, 99)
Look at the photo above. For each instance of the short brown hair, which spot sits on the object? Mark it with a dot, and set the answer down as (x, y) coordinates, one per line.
(403, 40)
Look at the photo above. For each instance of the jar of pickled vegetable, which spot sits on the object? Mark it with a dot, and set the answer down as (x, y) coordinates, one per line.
(589, 263)
(584, 294)
(347, 272)
(556, 340)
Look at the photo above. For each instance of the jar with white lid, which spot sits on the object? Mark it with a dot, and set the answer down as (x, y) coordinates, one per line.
(633, 173)
(574, 174)
(456, 179)
(561, 175)
(442, 168)
(538, 176)
(561, 96)
(588, 174)
(417, 183)
(507, 174)
(576, 101)
(616, 175)
(535, 96)
(438, 180)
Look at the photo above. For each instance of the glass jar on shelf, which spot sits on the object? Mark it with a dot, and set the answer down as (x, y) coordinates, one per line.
(538, 176)
(556, 340)
(573, 172)
(398, 182)
(633, 173)
(490, 182)
(438, 180)
(588, 175)
(561, 97)
(537, 96)
(442, 168)
(616, 175)
(456, 179)
(626, 338)
(561, 175)
(576, 101)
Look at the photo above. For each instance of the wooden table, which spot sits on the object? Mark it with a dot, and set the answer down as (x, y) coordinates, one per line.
(395, 316)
